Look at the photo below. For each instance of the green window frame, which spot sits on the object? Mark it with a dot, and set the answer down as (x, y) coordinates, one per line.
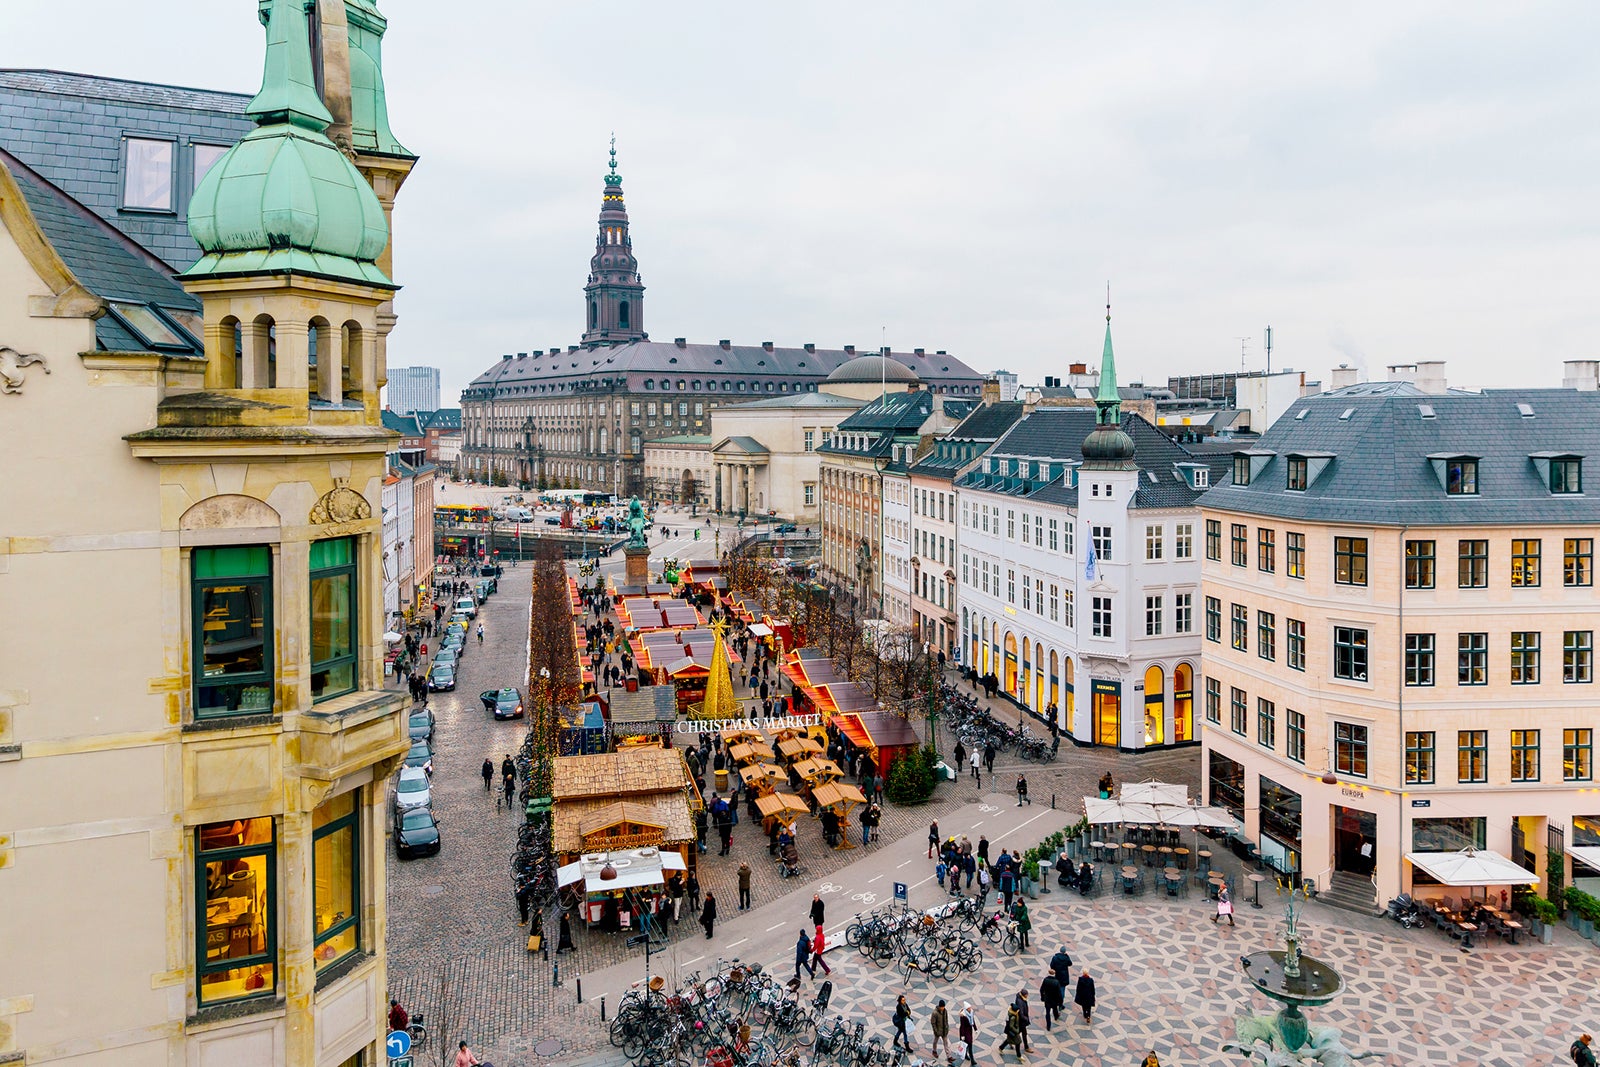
(1524, 755)
(1239, 711)
(1214, 701)
(1214, 539)
(1350, 653)
(1295, 738)
(1525, 562)
(336, 877)
(1420, 561)
(1525, 657)
(1241, 627)
(1350, 748)
(1472, 755)
(236, 925)
(1240, 542)
(334, 618)
(1266, 549)
(1294, 546)
(1419, 757)
(1566, 475)
(1266, 635)
(1266, 723)
(1295, 650)
(1577, 755)
(1350, 561)
(1577, 561)
(1213, 619)
(1297, 469)
(1577, 656)
(1472, 659)
(1472, 567)
(1419, 659)
(233, 635)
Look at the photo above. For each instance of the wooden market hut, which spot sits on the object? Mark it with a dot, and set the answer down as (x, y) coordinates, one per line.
(635, 797)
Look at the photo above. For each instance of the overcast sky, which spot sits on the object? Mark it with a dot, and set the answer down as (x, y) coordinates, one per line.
(1380, 182)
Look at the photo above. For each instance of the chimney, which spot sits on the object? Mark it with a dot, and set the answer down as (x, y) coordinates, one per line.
(766, 346)
(990, 391)
(849, 350)
(572, 348)
(1430, 376)
(1582, 375)
(1402, 372)
(506, 357)
(522, 355)
(538, 353)
(1344, 374)
(681, 342)
(725, 344)
(1077, 368)
(941, 352)
(810, 346)
(918, 352)
(884, 351)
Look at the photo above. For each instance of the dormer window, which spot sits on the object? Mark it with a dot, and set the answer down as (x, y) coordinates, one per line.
(1296, 480)
(1461, 476)
(1202, 477)
(1241, 470)
(1566, 475)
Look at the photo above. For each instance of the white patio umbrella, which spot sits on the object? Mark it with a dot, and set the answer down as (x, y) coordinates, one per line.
(1117, 811)
(393, 638)
(1154, 792)
(1472, 867)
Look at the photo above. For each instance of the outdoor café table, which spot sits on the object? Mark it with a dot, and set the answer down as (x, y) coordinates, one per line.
(1257, 877)
(1180, 858)
(755, 772)
(1149, 854)
(1512, 928)
(1098, 848)
(1130, 876)
(1130, 848)
(1215, 881)
(1166, 854)
(1174, 879)
(1203, 858)
(749, 751)
(1467, 930)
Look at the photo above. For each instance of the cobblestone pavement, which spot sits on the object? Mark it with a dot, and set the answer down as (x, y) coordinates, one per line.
(1167, 976)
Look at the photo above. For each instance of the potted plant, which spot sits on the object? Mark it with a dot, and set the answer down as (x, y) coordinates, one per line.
(1030, 878)
(1579, 905)
(1545, 916)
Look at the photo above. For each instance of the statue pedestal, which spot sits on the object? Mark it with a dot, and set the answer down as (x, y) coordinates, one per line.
(637, 569)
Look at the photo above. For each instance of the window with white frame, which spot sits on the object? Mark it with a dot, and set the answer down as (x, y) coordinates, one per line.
(1182, 613)
(1152, 543)
(1101, 617)
(1152, 616)
(1183, 541)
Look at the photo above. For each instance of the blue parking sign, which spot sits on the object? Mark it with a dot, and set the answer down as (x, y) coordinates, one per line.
(397, 1044)
(900, 892)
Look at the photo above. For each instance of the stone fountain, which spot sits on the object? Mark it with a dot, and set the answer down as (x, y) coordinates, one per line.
(1296, 981)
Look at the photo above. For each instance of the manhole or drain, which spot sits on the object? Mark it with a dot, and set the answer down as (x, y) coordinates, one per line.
(432, 890)
(548, 1047)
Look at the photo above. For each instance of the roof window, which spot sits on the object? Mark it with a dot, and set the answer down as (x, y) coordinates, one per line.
(1457, 474)
(1426, 411)
(1525, 410)
(1344, 416)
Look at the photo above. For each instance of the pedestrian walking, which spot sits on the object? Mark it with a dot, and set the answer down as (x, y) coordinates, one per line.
(692, 889)
(1061, 965)
(744, 887)
(1022, 790)
(819, 945)
(1224, 907)
(564, 939)
(977, 761)
(1581, 1053)
(708, 913)
(967, 1030)
(818, 909)
(960, 753)
(969, 863)
(675, 895)
(1052, 996)
(511, 789)
(939, 1022)
(983, 884)
(1013, 1032)
(1024, 1017)
(988, 757)
(488, 774)
(802, 956)
(524, 898)
(1084, 995)
(933, 837)
(983, 848)
(902, 1017)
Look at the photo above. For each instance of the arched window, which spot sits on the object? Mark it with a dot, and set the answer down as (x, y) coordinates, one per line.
(622, 315)
(594, 314)
(1154, 707)
(1071, 701)
(1182, 703)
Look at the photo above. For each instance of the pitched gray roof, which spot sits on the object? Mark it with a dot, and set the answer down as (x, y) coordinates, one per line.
(94, 87)
(741, 443)
(107, 263)
(967, 441)
(1381, 474)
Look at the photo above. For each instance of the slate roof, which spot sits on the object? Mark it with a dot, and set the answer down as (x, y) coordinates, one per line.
(800, 400)
(445, 419)
(94, 87)
(985, 425)
(629, 365)
(682, 439)
(405, 425)
(109, 265)
(1380, 472)
(1057, 434)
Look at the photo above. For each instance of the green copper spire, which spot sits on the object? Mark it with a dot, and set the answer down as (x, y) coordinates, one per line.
(288, 88)
(613, 179)
(1108, 379)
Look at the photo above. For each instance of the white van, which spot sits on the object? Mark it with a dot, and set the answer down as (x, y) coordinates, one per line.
(467, 606)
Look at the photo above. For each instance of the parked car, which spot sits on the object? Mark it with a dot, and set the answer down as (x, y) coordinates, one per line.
(421, 725)
(505, 703)
(442, 676)
(416, 833)
(446, 655)
(411, 789)
(552, 520)
(785, 527)
(420, 754)
(468, 606)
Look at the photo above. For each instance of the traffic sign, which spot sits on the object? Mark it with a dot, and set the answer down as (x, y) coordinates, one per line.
(403, 1061)
(397, 1044)
(900, 892)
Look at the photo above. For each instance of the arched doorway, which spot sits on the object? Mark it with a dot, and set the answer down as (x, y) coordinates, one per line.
(1155, 706)
(1055, 686)
(1011, 663)
(1071, 703)
(1027, 672)
(1182, 703)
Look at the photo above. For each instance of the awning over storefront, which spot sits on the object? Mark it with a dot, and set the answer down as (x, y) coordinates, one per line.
(1153, 792)
(1589, 854)
(760, 629)
(1101, 812)
(1471, 867)
(853, 731)
(635, 867)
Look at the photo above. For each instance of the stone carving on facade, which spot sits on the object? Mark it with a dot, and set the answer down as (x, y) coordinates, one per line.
(340, 504)
(11, 364)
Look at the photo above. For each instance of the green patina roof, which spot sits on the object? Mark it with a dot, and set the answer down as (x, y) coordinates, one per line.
(285, 198)
(1108, 370)
(369, 107)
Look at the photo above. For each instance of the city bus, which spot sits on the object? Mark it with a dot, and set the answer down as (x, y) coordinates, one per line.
(461, 513)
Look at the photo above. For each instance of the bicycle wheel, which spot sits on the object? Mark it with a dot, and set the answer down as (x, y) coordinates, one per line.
(993, 932)
(852, 935)
(621, 1027)
(1012, 944)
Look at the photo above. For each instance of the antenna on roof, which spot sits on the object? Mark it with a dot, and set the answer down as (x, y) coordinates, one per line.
(1244, 346)
(1269, 350)
(883, 364)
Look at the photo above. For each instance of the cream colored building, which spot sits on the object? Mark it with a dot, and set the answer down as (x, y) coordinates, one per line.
(1400, 614)
(765, 460)
(678, 468)
(194, 736)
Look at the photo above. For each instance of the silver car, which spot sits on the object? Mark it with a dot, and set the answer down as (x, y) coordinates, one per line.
(411, 789)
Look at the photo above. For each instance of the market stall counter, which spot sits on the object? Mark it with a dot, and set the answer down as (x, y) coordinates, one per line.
(615, 888)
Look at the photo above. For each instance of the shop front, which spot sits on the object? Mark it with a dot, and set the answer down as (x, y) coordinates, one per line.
(618, 890)
(1107, 711)
(1355, 840)
(1280, 844)
(1226, 785)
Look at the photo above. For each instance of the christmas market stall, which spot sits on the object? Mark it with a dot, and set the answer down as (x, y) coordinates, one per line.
(614, 890)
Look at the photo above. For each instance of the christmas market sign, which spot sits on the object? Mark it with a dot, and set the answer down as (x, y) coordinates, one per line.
(719, 726)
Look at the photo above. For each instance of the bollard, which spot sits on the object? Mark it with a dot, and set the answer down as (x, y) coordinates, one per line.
(602, 1007)
(555, 974)
(1052, 802)
(579, 983)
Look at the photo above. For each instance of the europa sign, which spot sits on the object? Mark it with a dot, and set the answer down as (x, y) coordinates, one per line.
(723, 726)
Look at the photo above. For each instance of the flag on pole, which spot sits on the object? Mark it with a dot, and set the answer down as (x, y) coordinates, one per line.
(1089, 562)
